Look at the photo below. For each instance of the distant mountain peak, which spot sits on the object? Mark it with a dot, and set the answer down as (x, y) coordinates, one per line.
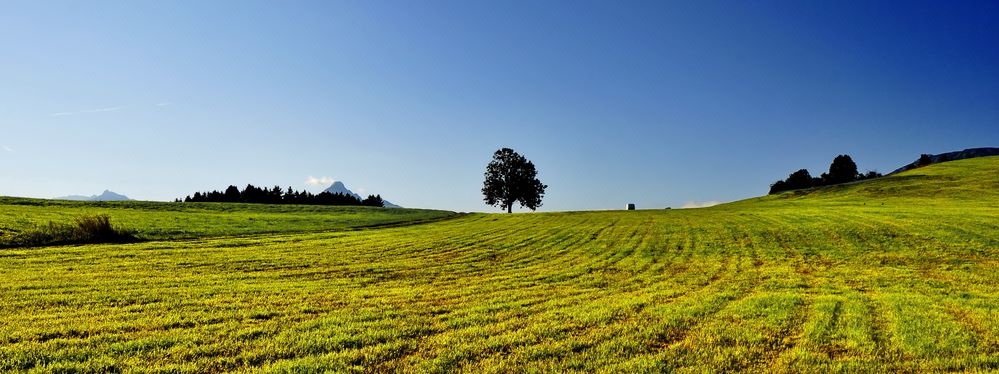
(339, 188)
(107, 195)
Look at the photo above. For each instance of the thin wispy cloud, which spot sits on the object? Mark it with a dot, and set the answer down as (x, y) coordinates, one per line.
(6, 148)
(98, 110)
(165, 103)
(324, 181)
(112, 109)
(694, 204)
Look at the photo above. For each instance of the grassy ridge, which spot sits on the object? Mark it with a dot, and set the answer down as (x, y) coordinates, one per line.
(971, 180)
(809, 281)
(156, 220)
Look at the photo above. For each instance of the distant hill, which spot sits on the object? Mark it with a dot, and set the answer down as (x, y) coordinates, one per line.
(339, 187)
(107, 195)
(953, 156)
(974, 179)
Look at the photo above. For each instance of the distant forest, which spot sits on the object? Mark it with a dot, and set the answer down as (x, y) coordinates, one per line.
(277, 195)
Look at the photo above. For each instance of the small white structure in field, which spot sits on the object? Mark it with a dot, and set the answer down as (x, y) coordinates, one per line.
(631, 206)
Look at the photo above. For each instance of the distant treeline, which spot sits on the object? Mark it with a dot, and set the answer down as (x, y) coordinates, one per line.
(277, 195)
(842, 170)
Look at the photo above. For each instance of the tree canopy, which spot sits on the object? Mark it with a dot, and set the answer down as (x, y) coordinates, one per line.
(278, 195)
(511, 178)
(842, 170)
(924, 159)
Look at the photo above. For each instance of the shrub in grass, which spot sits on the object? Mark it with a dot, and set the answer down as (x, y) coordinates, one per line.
(86, 229)
(96, 227)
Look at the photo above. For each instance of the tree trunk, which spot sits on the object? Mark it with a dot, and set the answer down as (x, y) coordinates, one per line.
(509, 208)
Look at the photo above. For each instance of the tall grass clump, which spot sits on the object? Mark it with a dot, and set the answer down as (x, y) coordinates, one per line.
(86, 229)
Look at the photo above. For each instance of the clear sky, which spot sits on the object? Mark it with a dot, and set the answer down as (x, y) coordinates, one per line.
(657, 103)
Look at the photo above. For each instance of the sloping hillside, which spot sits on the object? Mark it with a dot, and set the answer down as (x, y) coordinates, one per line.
(952, 156)
(891, 275)
(975, 179)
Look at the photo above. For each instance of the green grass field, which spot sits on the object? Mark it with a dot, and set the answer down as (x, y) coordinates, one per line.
(159, 221)
(894, 274)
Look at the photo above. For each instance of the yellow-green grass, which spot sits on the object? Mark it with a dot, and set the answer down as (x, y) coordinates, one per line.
(157, 220)
(826, 280)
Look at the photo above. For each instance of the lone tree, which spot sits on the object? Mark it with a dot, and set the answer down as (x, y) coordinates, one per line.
(512, 178)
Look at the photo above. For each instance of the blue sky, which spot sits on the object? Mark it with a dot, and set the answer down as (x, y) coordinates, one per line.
(657, 103)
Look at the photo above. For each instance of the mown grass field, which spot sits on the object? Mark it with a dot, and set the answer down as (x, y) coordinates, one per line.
(895, 274)
(159, 221)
